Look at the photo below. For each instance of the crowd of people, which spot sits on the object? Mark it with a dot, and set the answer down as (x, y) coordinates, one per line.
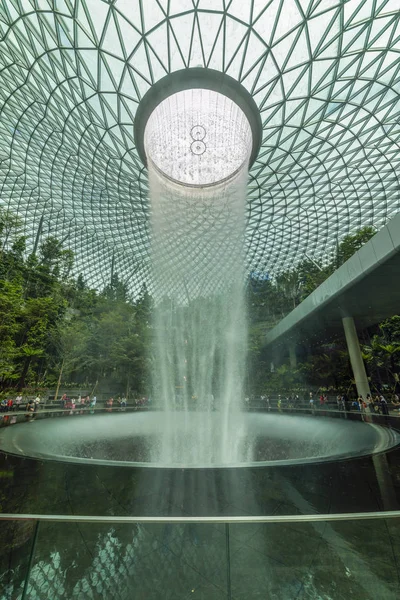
(14, 405)
(30, 404)
(91, 402)
(376, 404)
(80, 402)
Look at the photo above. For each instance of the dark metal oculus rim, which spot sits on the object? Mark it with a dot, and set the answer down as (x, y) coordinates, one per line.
(197, 78)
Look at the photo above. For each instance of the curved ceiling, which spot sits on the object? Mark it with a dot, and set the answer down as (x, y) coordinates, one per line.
(325, 75)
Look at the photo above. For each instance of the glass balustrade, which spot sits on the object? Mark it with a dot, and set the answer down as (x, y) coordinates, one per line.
(279, 557)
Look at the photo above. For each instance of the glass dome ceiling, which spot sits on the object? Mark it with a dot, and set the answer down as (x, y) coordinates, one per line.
(325, 75)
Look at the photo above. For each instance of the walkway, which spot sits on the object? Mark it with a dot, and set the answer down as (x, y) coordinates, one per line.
(366, 287)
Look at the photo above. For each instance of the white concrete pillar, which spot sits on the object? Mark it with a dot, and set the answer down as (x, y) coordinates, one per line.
(356, 360)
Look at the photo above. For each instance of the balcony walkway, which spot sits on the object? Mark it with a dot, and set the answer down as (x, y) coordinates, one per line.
(366, 287)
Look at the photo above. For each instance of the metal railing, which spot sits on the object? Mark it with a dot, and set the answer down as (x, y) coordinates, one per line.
(107, 520)
(304, 407)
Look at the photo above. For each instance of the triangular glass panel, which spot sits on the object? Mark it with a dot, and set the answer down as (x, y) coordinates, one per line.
(264, 24)
(239, 9)
(153, 15)
(211, 25)
(111, 40)
(180, 6)
(289, 18)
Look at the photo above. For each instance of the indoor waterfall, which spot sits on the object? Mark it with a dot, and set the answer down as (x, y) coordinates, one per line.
(198, 273)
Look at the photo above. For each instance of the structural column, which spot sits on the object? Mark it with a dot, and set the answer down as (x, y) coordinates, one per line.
(357, 363)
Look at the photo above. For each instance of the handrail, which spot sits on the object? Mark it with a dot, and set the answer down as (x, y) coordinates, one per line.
(42, 409)
(314, 409)
(315, 517)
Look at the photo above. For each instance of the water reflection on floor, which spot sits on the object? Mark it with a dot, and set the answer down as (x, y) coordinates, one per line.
(180, 561)
(304, 561)
(62, 488)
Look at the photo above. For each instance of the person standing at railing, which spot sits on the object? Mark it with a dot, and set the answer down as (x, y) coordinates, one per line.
(383, 405)
(37, 403)
(396, 402)
(370, 403)
(376, 403)
(346, 403)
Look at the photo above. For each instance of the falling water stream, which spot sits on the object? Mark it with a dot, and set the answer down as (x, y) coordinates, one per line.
(197, 250)
(200, 324)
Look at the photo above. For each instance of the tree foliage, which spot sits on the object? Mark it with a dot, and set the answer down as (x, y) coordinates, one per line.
(270, 300)
(353, 242)
(382, 353)
(53, 326)
(52, 322)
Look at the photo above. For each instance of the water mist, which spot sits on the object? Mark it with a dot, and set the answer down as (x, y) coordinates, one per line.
(198, 145)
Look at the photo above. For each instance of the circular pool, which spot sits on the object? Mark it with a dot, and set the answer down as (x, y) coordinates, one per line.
(196, 440)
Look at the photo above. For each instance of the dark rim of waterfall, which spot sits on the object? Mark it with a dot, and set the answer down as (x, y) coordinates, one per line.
(367, 439)
(197, 78)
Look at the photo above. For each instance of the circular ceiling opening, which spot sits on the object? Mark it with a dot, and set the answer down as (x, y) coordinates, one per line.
(198, 137)
(198, 127)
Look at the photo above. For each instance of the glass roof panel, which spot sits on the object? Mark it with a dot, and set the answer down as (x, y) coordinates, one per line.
(323, 73)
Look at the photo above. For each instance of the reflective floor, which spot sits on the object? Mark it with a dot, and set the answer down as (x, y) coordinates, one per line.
(329, 561)
(357, 560)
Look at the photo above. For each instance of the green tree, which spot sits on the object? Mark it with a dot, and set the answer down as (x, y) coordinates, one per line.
(312, 276)
(69, 342)
(11, 307)
(353, 242)
(116, 290)
(288, 284)
(327, 369)
(53, 326)
(38, 319)
(381, 355)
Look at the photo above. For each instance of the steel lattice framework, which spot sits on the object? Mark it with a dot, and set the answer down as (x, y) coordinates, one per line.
(324, 73)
